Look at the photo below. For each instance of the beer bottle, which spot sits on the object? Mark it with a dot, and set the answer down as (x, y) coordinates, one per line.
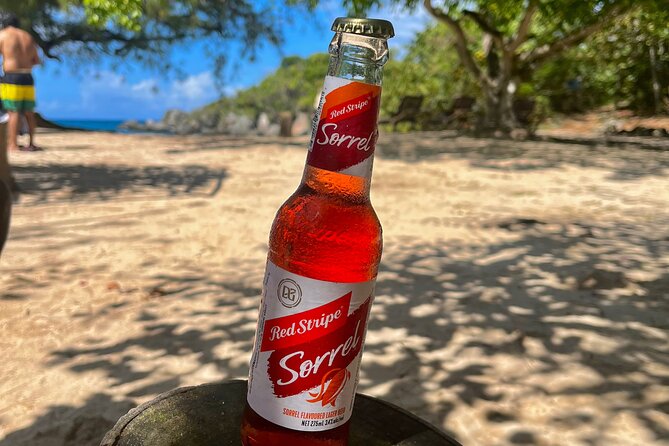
(324, 252)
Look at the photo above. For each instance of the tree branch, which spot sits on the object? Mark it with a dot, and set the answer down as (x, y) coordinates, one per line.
(524, 27)
(482, 22)
(460, 39)
(545, 51)
(44, 45)
(85, 35)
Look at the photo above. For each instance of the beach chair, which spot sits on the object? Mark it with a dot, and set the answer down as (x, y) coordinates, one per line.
(460, 114)
(455, 114)
(408, 111)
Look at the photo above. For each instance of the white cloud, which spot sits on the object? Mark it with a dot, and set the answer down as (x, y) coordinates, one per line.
(194, 88)
(111, 90)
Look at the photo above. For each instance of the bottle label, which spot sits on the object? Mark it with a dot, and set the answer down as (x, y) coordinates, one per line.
(308, 346)
(344, 130)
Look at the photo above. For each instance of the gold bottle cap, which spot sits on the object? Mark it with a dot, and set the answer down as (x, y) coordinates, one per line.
(366, 27)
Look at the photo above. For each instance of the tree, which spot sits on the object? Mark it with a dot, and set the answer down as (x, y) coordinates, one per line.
(635, 50)
(626, 64)
(430, 69)
(518, 37)
(144, 29)
(292, 87)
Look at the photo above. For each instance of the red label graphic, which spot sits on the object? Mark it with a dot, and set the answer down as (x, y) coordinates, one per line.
(346, 133)
(307, 351)
(303, 366)
(290, 330)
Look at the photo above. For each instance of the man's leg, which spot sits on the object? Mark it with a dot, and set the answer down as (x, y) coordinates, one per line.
(32, 124)
(13, 130)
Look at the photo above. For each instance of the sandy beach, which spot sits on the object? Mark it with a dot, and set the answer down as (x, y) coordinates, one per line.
(523, 297)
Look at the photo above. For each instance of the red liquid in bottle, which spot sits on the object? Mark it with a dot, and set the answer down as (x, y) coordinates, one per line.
(324, 252)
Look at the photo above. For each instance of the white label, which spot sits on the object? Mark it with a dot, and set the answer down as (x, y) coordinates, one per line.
(344, 129)
(308, 346)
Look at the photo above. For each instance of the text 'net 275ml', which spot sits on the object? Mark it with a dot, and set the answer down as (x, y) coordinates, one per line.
(324, 252)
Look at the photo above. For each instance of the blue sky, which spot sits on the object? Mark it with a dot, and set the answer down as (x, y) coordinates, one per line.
(65, 91)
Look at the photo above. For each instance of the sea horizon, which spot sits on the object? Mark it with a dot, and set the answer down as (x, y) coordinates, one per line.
(101, 125)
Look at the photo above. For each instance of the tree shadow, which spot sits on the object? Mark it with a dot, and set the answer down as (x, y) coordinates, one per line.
(625, 164)
(72, 182)
(221, 142)
(568, 299)
(504, 332)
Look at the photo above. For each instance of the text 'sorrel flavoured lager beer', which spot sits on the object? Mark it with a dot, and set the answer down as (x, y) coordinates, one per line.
(324, 252)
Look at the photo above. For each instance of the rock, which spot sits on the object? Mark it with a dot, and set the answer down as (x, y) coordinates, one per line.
(222, 126)
(174, 117)
(301, 124)
(155, 126)
(131, 125)
(601, 279)
(242, 126)
(273, 130)
(187, 127)
(208, 120)
(151, 125)
(234, 124)
(613, 127)
(263, 124)
(209, 131)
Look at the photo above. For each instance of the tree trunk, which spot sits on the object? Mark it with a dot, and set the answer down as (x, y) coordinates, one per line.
(499, 107)
(656, 84)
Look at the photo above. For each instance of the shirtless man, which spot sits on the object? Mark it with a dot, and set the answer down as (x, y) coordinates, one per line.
(17, 87)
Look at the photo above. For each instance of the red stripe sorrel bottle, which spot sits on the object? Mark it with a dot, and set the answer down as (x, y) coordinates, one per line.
(324, 252)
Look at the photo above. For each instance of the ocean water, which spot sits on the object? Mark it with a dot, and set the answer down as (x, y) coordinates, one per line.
(99, 125)
(90, 124)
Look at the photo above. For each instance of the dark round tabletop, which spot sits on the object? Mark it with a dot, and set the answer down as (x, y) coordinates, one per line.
(210, 414)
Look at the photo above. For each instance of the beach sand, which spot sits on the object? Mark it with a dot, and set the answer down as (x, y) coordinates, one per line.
(522, 297)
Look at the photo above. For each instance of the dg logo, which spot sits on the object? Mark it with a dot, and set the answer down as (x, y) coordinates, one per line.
(289, 293)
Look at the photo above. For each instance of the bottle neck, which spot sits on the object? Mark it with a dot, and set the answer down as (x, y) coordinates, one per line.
(358, 58)
(341, 151)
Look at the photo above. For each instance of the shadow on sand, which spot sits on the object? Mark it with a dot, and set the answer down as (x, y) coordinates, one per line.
(558, 311)
(500, 154)
(71, 182)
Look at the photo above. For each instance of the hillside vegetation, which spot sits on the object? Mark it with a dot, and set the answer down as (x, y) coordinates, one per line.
(625, 65)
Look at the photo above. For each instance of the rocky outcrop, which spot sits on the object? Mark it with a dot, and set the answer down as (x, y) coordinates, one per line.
(211, 122)
(617, 128)
(149, 125)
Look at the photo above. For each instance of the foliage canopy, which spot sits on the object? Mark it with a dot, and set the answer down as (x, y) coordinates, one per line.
(513, 38)
(145, 30)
